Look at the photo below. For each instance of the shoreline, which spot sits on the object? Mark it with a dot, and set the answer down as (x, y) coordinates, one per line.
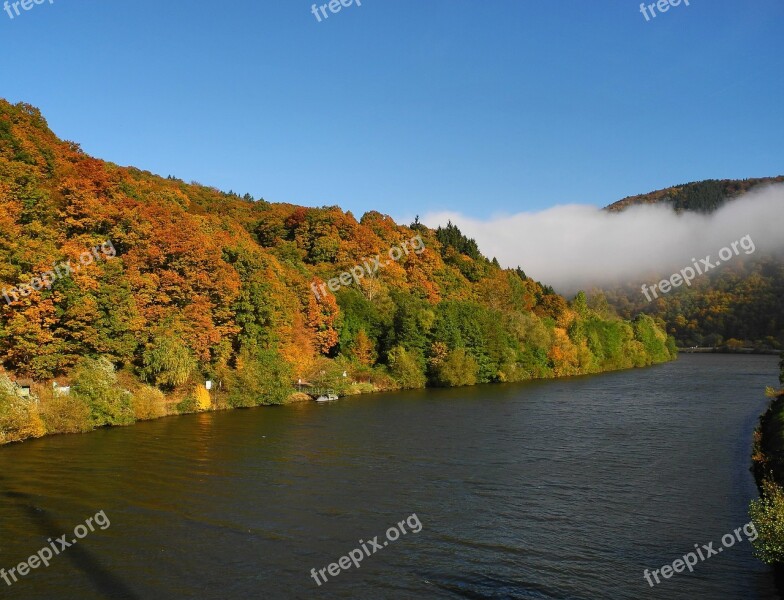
(710, 350)
(298, 398)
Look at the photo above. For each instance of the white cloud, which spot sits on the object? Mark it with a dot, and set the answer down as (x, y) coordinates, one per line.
(578, 247)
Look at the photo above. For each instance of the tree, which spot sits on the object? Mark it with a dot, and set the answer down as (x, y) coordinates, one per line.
(323, 317)
(451, 237)
(580, 304)
(203, 279)
(767, 514)
(458, 369)
(405, 369)
(19, 418)
(363, 349)
(260, 378)
(167, 362)
(95, 383)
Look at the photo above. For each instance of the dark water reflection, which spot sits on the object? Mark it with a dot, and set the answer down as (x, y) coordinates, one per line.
(561, 489)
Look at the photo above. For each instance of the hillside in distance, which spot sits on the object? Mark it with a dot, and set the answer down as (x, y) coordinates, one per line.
(739, 305)
(699, 196)
(257, 297)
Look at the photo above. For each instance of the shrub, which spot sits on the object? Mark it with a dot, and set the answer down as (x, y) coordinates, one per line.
(459, 368)
(260, 378)
(188, 405)
(95, 382)
(148, 403)
(65, 414)
(405, 369)
(202, 397)
(19, 418)
(768, 515)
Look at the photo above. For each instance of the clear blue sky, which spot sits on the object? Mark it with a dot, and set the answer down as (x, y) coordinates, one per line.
(411, 106)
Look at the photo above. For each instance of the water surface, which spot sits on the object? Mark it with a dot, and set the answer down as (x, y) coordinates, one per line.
(545, 490)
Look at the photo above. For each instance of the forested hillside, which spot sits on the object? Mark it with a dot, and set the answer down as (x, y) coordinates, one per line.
(740, 305)
(699, 196)
(205, 285)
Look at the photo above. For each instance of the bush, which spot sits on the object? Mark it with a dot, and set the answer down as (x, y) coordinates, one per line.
(188, 405)
(95, 383)
(768, 515)
(19, 418)
(202, 397)
(148, 403)
(260, 378)
(65, 414)
(459, 368)
(360, 388)
(405, 369)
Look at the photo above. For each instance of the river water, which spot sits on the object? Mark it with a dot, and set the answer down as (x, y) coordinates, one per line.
(543, 490)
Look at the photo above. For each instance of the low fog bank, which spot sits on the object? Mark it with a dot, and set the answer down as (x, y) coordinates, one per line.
(575, 246)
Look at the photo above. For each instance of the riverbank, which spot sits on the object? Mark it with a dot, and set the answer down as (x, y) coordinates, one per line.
(121, 400)
(724, 350)
(767, 512)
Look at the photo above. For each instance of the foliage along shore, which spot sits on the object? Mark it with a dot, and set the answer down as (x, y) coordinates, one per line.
(207, 285)
(767, 511)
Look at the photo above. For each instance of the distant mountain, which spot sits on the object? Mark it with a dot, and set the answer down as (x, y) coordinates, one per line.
(740, 305)
(700, 196)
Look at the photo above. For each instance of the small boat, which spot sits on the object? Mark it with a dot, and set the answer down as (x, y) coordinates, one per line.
(330, 396)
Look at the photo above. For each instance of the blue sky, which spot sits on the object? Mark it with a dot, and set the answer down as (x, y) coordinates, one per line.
(411, 106)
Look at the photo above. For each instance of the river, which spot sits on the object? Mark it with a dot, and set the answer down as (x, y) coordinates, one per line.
(542, 490)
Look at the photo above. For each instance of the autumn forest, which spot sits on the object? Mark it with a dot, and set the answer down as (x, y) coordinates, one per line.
(211, 286)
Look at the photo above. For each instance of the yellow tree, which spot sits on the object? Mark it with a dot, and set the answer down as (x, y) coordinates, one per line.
(363, 349)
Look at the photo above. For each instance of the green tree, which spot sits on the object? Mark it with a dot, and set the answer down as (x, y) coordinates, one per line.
(410, 323)
(767, 513)
(168, 363)
(580, 304)
(358, 314)
(458, 369)
(451, 237)
(261, 378)
(95, 383)
(405, 368)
